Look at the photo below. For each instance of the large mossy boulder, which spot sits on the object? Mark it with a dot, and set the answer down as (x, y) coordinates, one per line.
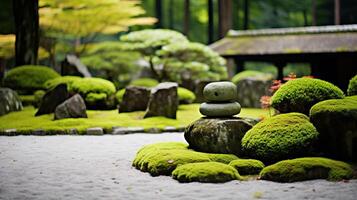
(206, 172)
(218, 135)
(29, 78)
(301, 169)
(280, 137)
(352, 86)
(163, 158)
(247, 166)
(9, 101)
(299, 95)
(97, 93)
(336, 121)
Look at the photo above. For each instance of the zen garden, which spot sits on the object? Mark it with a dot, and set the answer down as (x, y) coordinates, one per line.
(178, 99)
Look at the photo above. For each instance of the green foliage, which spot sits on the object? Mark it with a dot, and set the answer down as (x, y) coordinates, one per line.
(92, 98)
(195, 60)
(7, 46)
(38, 97)
(144, 82)
(247, 166)
(280, 137)
(69, 80)
(163, 158)
(119, 95)
(27, 100)
(29, 77)
(352, 86)
(302, 169)
(206, 172)
(249, 73)
(185, 96)
(301, 94)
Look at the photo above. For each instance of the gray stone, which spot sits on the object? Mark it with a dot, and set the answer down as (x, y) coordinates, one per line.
(251, 89)
(52, 99)
(214, 135)
(163, 101)
(73, 107)
(95, 131)
(72, 66)
(127, 130)
(220, 91)
(135, 99)
(220, 109)
(9, 101)
(39, 132)
(10, 132)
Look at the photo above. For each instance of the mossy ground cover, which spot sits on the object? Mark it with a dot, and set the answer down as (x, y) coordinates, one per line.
(25, 122)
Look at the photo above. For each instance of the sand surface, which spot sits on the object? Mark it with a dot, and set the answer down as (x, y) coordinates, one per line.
(99, 167)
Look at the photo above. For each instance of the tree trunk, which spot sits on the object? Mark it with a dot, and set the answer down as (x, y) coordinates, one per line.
(337, 12)
(158, 10)
(171, 14)
(304, 14)
(210, 22)
(225, 16)
(313, 13)
(246, 15)
(27, 31)
(186, 20)
(2, 70)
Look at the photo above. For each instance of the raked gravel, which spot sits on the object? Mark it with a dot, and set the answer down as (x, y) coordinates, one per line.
(99, 167)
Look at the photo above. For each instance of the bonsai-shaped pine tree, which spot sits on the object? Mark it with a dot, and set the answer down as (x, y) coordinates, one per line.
(149, 42)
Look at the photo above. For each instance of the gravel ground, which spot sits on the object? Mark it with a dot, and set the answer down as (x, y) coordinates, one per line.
(99, 167)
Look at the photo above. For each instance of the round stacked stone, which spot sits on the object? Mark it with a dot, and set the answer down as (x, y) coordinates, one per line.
(220, 98)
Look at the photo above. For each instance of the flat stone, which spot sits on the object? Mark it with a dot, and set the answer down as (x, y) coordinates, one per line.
(220, 109)
(127, 130)
(39, 132)
(217, 135)
(95, 131)
(220, 91)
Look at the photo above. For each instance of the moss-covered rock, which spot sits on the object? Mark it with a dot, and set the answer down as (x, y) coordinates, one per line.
(302, 169)
(247, 166)
(69, 80)
(301, 94)
(144, 82)
(280, 137)
(29, 78)
(352, 86)
(185, 96)
(336, 121)
(98, 93)
(206, 172)
(163, 158)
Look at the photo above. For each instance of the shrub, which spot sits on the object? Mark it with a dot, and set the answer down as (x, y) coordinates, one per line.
(352, 86)
(249, 73)
(69, 80)
(163, 158)
(185, 95)
(302, 169)
(144, 82)
(206, 172)
(29, 77)
(280, 137)
(247, 166)
(119, 95)
(301, 94)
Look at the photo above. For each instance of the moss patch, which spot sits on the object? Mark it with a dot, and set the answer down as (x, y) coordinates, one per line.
(69, 80)
(206, 172)
(301, 94)
(247, 166)
(301, 169)
(163, 158)
(352, 86)
(185, 96)
(144, 82)
(280, 137)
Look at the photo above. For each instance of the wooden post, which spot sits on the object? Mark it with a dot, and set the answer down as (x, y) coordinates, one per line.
(280, 66)
(337, 12)
(225, 16)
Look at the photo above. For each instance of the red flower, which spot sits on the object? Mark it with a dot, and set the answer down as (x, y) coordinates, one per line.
(265, 101)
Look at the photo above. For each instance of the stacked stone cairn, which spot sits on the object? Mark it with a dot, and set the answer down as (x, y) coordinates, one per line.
(220, 131)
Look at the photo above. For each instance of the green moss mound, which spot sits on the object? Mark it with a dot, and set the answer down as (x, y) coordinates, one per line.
(249, 73)
(163, 158)
(69, 80)
(29, 77)
(206, 172)
(119, 95)
(185, 96)
(336, 121)
(352, 86)
(302, 169)
(301, 94)
(144, 82)
(280, 137)
(247, 166)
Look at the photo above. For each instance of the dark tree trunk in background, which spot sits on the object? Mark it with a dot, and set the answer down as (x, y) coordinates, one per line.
(210, 22)
(171, 14)
(27, 31)
(246, 15)
(225, 16)
(2, 70)
(313, 13)
(186, 20)
(304, 13)
(158, 10)
(337, 12)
